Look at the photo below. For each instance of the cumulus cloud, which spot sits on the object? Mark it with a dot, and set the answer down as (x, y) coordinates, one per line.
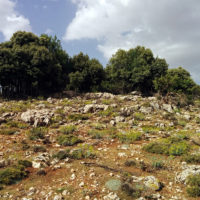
(10, 20)
(169, 27)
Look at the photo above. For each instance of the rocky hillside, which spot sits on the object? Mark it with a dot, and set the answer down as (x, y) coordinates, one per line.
(99, 147)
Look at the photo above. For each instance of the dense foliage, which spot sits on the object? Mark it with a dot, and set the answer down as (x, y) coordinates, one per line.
(32, 66)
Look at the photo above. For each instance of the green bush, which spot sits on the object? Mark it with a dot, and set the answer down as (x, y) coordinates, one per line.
(129, 137)
(193, 185)
(192, 158)
(39, 149)
(8, 131)
(85, 151)
(68, 140)
(68, 129)
(139, 116)
(16, 124)
(62, 154)
(37, 133)
(77, 117)
(25, 163)
(11, 175)
(155, 147)
(178, 149)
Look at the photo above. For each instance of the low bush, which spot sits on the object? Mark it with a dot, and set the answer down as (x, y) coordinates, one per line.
(193, 185)
(37, 133)
(67, 129)
(129, 137)
(11, 175)
(39, 149)
(192, 158)
(8, 131)
(68, 140)
(25, 163)
(77, 117)
(139, 116)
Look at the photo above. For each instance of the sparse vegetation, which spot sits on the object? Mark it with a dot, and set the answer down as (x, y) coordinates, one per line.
(129, 137)
(37, 133)
(68, 129)
(68, 140)
(193, 185)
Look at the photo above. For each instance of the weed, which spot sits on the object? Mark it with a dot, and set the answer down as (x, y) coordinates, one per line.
(77, 117)
(68, 129)
(16, 124)
(192, 158)
(39, 149)
(11, 175)
(68, 140)
(129, 137)
(8, 131)
(150, 129)
(157, 165)
(139, 116)
(96, 134)
(37, 133)
(62, 154)
(193, 185)
(182, 122)
(25, 163)
(130, 163)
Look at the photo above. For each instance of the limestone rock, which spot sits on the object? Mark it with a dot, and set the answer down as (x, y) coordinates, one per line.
(152, 183)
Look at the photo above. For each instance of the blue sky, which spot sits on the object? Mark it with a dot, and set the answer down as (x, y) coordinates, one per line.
(100, 27)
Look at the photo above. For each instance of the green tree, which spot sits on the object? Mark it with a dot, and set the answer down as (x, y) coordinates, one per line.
(32, 65)
(134, 69)
(87, 74)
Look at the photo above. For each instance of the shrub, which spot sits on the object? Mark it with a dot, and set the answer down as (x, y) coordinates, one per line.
(178, 149)
(68, 140)
(139, 116)
(129, 137)
(39, 149)
(77, 117)
(155, 147)
(37, 133)
(192, 158)
(68, 129)
(8, 131)
(11, 175)
(193, 185)
(96, 134)
(16, 124)
(25, 163)
(130, 163)
(85, 151)
(62, 154)
(158, 165)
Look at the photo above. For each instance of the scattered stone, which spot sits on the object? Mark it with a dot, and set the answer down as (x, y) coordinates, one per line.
(113, 184)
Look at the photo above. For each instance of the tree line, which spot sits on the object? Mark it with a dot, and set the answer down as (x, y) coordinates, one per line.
(32, 65)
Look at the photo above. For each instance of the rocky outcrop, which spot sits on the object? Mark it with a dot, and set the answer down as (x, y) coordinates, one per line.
(37, 117)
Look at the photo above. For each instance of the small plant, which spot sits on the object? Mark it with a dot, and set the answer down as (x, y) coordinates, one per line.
(158, 165)
(85, 151)
(77, 117)
(192, 158)
(139, 116)
(130, 163)
(68, 140)
(68, 129)
(62, 154)
(39, 149)
(8, 131)
(16, 124)
(193, 185)
(198, 120)
(182, 122)
(150, 129)
(178, 149)
(37, 133)
(107, 113)
(11, 175)
(155, 147)
(129, 137)
(25, 163)
(96, 134)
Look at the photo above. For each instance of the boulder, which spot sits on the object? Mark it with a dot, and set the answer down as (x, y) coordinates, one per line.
(152, 183)
(94, 107)
(37, 117)
(146, 110)
(167, 107)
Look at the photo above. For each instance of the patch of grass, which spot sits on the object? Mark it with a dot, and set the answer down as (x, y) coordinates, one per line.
(150, 129)
(198, 120)
(62, 154)
(39, 149)
(77, 117)
(192, 158)
(97, 134)
(37, 133)
(68, 140)
(158, 165)
(16, 124)
(107, 101)
(13, 174)
(182, 122)
(25, 163)
(139, 116)
(110, 112)
(85, 151)
(170, 146)
(68, 129)
(129, 137)
(8, 131)
(193, 185)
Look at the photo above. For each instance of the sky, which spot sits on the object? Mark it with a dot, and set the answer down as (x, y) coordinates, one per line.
(170, 28)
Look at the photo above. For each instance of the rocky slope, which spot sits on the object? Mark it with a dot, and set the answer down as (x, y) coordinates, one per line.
(99, 146)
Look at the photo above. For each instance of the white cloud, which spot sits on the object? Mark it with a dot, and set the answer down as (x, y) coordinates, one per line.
(10, 20)
(169, 27)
